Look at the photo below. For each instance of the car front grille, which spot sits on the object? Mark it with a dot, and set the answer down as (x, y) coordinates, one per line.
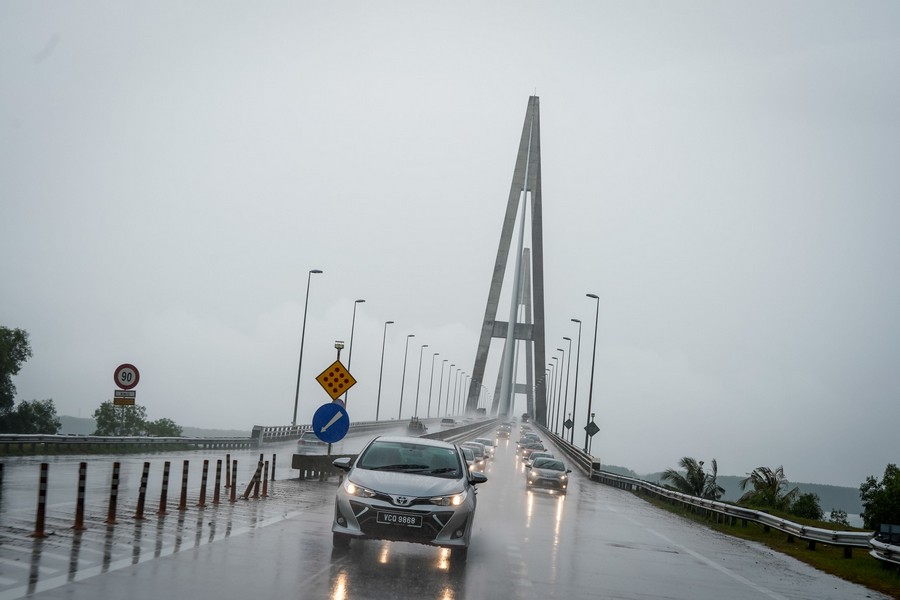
(432, 523)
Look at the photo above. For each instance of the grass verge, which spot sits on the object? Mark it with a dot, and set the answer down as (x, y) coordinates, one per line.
(861, 569)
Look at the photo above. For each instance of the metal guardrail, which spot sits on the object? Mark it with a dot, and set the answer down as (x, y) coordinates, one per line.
(49, 443)
(812, 535)
(273, 434)
(452, 434)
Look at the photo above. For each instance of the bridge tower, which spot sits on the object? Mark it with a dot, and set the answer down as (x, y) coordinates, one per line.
(526, 311)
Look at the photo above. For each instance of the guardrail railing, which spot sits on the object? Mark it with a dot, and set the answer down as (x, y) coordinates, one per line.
(46, 443)
(812, 535)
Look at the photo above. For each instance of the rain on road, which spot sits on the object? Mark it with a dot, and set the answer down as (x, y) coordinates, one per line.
(595, 542)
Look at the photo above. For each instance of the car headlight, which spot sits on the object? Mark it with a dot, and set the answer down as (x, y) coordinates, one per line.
(454, 500)
(563, 476)
(532, 474)
(356, 490)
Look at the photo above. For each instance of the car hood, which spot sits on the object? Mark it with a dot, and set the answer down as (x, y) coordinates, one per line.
(548, 472)
(406, 484)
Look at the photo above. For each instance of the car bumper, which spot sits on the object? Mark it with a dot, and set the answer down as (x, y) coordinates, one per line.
(440, 525)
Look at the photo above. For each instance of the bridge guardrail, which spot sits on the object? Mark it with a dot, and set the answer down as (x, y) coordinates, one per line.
(812, 535)
(51, 442)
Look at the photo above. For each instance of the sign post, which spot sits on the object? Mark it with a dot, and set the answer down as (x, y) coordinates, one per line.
(126, 377)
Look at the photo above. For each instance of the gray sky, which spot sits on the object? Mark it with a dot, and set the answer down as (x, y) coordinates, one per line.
(723, 175)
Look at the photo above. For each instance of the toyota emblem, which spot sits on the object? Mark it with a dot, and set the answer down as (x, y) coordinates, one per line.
(402, 500)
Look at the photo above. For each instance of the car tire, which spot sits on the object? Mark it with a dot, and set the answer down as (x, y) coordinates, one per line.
(340, 540)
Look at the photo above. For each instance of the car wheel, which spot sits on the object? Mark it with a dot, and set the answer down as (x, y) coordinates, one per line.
(340, 540)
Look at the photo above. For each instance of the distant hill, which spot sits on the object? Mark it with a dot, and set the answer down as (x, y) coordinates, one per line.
(83, 426)
(830, 496)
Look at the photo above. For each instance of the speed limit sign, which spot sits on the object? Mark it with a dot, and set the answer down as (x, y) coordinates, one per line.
(126, 376)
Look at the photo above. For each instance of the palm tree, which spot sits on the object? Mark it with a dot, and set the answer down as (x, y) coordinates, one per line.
(768, 489)
(695, 481)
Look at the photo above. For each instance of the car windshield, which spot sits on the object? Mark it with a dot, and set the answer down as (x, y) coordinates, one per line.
(410, 458)
(549, 463)
(467, 452)
(485, 441)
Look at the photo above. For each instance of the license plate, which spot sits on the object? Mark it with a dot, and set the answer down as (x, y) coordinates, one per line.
(399, 519)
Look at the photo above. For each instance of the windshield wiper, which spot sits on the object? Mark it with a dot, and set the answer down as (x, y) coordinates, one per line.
(443, 470)
(404, 467)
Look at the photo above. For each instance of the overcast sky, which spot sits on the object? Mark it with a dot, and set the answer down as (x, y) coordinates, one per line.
(723, 175)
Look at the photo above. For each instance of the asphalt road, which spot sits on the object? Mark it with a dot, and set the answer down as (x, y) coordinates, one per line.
(595, 542)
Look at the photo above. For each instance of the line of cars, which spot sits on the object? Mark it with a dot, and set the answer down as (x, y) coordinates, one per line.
(542, 469)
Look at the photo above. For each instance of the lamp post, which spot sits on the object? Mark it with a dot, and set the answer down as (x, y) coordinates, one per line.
(381, 368)
(588, 418)
(350, 351)
(431, 384)
(419, 380)
(403, 378)
(568, 371)
(559, 390)
(455, 387)
(553, 399)
(302, 336)
(441, 386)
(575, 392)
(447, 399)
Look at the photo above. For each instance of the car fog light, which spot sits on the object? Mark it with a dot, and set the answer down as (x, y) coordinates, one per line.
(458, 533)
(341, 521)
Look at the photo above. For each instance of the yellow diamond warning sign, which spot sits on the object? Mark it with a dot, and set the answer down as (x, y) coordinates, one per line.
(336, 380)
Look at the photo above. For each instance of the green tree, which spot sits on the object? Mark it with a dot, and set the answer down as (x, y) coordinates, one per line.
(839, 517)
(120, 420)
(14, 350)
(695, 481)
(768, 489)
(807, 507)
(163, 428)
(37, 416)
(881, 499)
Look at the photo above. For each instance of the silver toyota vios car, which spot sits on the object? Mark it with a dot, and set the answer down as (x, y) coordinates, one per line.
(407, 489)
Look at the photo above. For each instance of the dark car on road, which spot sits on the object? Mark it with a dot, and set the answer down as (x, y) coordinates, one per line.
(548, 473)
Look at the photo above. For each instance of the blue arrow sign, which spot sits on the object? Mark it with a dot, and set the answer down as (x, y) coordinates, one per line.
(331, 422)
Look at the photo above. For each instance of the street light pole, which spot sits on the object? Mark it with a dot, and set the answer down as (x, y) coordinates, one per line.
(419, 380)
(575, 393)
(555, 371)
(593, 363)
(302, 336)
(441, 386)
(403, 378)
(431, 384)
(381, 369)
(566, 397)
(447, 399)
(559, 390)
(350, 352)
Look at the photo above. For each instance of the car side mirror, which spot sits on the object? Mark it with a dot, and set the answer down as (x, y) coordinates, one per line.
(342, 463)
(476, 478)
(568, 470)
(527, 466)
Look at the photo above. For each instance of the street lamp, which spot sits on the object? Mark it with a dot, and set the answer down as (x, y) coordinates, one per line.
(575, 392)
(447, 399)
(441, 385)
(431, 383)
(553, 381)
(381, 368)
(350, 351)
(302, 336)
(419, 380)
(559, 390)
(403, 378)
(589, 419)
(566, 397)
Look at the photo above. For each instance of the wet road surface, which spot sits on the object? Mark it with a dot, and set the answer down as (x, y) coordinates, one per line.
(595, 542)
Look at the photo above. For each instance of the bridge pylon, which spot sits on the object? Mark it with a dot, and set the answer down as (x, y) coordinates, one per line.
(526, 310)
